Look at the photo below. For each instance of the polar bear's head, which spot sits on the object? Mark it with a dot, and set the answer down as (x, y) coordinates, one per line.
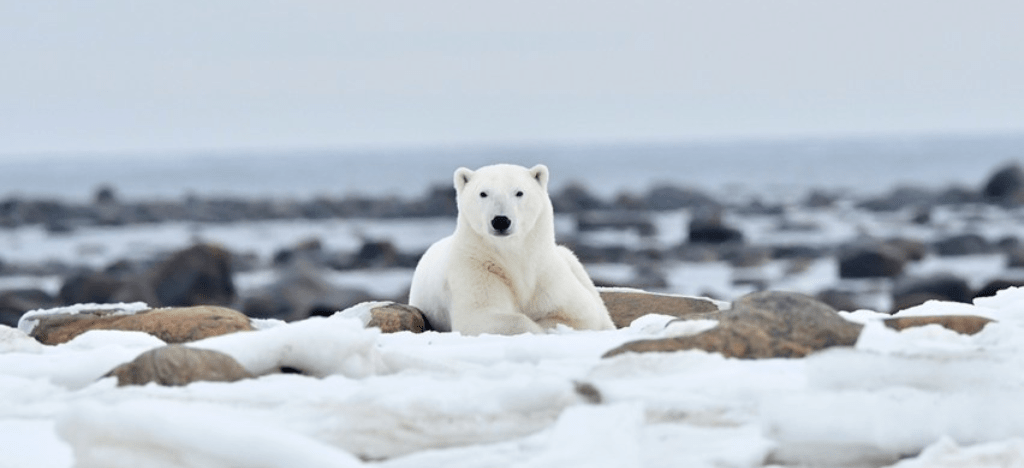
(503, 200)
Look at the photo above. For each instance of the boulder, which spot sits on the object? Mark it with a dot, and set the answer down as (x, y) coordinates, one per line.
(907, 301)
(15, 302)
(1006, 185)
(763, 325)
(377, 254)
(992, 287)
(395, 317)
(626, 306)
(178, 365)
(1015, 258)
(945, 287)
(710, 228)
(575, 198)
(964, 324)
(616, 221)
(89, 288)
(963, 244)
(172, 325)
(901, 198)
(913, 250)
(876, 260)
(199, 275)
(665, 197)
(300, 292)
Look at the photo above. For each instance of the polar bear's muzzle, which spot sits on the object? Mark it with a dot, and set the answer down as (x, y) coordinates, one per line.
(501, 226)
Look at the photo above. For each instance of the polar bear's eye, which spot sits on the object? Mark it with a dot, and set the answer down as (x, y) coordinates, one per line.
(483, 194)
(519, 193)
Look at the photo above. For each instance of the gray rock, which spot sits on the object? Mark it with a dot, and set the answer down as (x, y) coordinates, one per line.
(876, 260)
(1005, 186)
(948, 286)
(301, 292)
(15, 302)
(992, 287)
(199, 275)
(963, 244)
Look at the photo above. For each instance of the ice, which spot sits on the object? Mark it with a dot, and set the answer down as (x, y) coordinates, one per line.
(79, 362)
(316, 346)
(33, 443)
(143, 434)
(946, 453)
(923, 396)
(14, 340)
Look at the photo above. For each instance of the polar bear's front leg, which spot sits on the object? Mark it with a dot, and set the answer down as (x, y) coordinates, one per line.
(487, 306)
(496, 322)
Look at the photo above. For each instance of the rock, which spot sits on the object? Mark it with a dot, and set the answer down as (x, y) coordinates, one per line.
(1005, 186)
(709, 228)
(963, 244)
(575, 198)
(997, 285)
(178, 365)
(15, 302)
(377, 254)
(913, 250)
(396, 317)
(840, 300)
(627, 306)
(763, 325)
(901, 198)
(1015, 258)
(172, 325)
(959, 196)
(199, 275)
(877, 260)
(946, 286)
(310, 250)
(616, 221)
(665, 198)
(964, 324)
(907, 301)
(89, 288)
(299, 293)
(439, 201)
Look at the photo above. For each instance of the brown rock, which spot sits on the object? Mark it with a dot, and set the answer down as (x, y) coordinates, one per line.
(172, 325)
(964, 324)
(177, 365)
(627, 306)
(763, 325)
(396, 317)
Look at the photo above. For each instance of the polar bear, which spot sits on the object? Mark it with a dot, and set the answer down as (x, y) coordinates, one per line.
(501, 272)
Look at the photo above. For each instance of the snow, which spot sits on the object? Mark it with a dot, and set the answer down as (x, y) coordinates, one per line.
(919, 397)
(30, 319)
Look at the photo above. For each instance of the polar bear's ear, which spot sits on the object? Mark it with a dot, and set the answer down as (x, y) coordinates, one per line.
(540, 172)
(462, 176)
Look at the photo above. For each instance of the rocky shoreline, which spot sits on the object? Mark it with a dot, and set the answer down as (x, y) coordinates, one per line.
(203, 274)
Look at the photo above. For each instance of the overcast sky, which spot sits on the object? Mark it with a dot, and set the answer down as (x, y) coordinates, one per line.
(101, 76)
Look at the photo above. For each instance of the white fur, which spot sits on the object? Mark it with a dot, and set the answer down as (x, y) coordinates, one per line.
(487, 280)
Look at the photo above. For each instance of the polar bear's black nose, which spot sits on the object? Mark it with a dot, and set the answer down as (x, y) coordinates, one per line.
(501, 224)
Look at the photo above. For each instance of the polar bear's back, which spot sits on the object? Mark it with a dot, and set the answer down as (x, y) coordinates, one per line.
(430, 291)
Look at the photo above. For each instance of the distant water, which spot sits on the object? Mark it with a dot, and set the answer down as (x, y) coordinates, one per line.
(770, 168)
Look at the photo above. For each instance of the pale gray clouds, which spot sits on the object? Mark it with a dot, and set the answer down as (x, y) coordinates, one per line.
(163, 76)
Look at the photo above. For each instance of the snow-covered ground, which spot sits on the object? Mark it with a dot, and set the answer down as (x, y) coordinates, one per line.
(921, 397)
